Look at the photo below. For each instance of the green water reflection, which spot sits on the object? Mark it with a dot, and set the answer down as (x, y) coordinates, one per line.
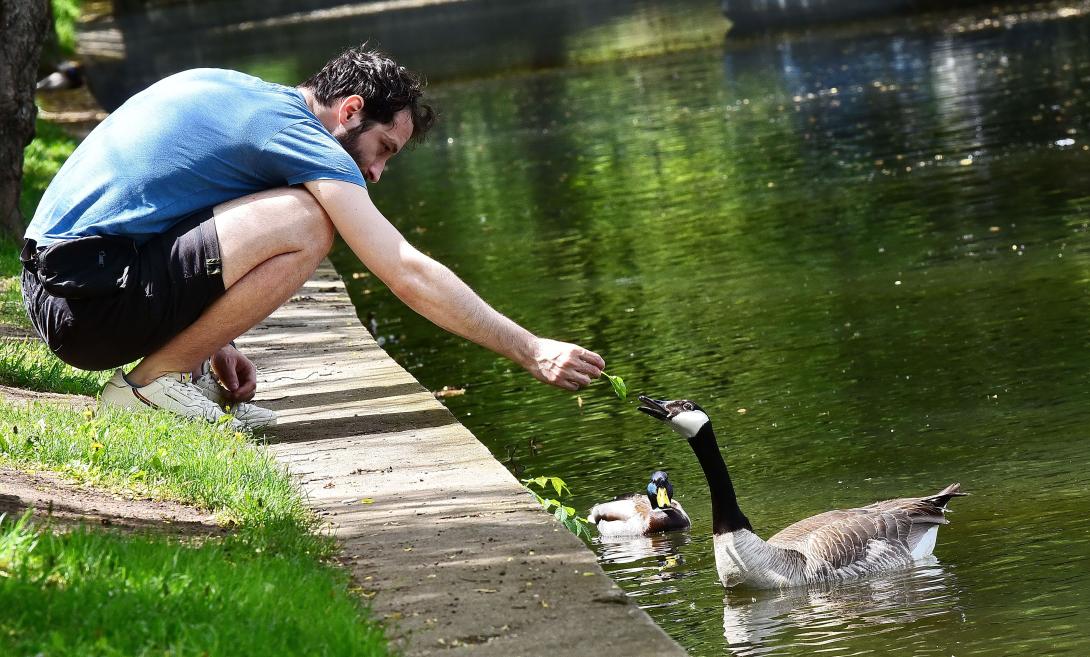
(866, 256)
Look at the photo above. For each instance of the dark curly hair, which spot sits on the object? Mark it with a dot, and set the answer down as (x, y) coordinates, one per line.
(385, 86)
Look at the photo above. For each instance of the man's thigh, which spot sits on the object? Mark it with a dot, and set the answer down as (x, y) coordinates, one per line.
(175, 277)
(258, 227)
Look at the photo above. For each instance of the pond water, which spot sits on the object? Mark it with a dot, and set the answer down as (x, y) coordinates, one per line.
(865, 255)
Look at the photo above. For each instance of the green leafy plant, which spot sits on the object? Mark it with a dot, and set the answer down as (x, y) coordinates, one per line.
(565, 514)
(29, 364)
(618, 384)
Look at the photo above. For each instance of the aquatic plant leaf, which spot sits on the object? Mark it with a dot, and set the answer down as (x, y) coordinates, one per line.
(540, 481)
(618, 384)
(558, 485)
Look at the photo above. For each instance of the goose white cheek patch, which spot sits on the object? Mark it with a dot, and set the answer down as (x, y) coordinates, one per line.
(688, 423)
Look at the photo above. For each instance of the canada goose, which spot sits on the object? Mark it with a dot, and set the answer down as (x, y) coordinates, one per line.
(831, 546)
(640, 514)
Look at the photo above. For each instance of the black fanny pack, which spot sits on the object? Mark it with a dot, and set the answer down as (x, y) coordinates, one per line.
(82, 268)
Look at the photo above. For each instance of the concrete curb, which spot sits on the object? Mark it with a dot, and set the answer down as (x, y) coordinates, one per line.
(460, 558)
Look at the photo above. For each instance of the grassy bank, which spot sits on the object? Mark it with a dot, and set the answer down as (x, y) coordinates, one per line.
(28, 364)
(153, 453)
(91, 593)
(267, 589)
(11, 298)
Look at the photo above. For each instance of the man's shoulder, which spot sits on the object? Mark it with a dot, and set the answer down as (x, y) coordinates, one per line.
(222, 79)
(205, 98)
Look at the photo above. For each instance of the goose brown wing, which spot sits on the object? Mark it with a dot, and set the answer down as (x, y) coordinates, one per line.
(841, 537)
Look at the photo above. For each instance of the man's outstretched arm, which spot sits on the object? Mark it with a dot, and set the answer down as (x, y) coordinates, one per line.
(435, 292)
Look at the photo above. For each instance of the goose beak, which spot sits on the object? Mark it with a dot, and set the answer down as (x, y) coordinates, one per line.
(654, 407)
(663, 498)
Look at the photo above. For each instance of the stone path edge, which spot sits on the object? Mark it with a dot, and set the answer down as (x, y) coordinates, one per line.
(456, 557)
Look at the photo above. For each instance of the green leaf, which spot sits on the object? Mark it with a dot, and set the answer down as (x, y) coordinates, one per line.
(581, 530)
(618, 384)
(558, 485)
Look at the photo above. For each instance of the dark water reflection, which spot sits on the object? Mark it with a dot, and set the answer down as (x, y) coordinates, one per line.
(866, 255)
(287, 40)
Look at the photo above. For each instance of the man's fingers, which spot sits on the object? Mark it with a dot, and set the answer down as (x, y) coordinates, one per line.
(593, 359)
(245, 392)
(229, 378)
(591, 371)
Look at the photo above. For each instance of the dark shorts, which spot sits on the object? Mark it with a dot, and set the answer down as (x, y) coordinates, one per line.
(174, 278)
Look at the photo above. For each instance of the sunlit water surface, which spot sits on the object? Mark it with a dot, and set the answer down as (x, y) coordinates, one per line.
(865, 254)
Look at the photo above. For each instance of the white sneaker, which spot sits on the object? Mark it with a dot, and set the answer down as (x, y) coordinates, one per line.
(249, 415)
(172, 392)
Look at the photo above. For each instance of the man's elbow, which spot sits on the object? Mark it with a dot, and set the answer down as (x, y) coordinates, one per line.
(412, 282)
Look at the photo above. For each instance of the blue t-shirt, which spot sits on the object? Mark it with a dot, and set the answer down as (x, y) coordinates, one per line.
(189, 141)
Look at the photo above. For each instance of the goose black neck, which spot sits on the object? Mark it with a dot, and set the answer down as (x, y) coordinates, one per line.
(726, 515)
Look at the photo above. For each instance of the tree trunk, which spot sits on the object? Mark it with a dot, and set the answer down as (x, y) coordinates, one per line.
(23, 26)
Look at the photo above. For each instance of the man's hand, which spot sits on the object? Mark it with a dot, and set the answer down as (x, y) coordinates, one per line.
(237, 374)
(564, 365)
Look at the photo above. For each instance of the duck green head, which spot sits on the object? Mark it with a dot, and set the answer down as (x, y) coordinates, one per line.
(660, 491)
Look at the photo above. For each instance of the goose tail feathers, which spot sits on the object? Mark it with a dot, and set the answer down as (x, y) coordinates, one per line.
(943, 497)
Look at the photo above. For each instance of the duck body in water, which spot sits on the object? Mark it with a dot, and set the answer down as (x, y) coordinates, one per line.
(833, 546)
(641, 514)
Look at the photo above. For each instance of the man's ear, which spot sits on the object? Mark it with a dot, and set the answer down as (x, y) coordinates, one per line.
(350, 110)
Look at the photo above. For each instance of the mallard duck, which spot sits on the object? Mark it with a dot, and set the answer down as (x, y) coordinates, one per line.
(831, 546)
(641, 514)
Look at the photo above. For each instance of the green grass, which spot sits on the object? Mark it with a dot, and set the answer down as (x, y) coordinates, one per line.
(154, 453)
(11, 296)
(65, 17)
(267, 589)
(28, 364)
(87, 593)
(42, 159)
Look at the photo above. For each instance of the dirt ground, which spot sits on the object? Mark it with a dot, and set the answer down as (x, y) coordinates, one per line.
(64, 504)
